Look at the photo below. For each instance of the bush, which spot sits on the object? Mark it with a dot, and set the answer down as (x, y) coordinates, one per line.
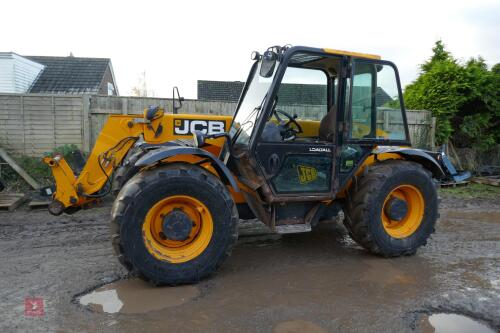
(464, 98)
(35, 168)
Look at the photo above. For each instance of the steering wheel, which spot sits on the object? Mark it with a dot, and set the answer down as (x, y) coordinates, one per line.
(289, 132)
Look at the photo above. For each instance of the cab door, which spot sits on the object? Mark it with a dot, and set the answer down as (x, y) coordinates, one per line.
(375, 113)
(297, 169)
(376, 109)
(300, 165)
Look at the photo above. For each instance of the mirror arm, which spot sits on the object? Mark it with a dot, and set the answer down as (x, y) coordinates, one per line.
(200, 138)
(179, 98)
(225, 135)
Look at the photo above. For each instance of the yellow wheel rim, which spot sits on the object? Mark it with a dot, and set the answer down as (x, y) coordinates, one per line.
(414, 216)
(172, 250)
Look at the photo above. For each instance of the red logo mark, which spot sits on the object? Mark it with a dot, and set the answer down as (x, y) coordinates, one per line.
(33, 307)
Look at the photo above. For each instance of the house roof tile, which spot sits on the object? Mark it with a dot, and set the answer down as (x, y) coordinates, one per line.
(69, 74)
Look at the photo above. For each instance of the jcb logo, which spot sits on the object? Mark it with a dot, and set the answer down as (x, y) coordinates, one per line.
(306, 174)
(188, 126)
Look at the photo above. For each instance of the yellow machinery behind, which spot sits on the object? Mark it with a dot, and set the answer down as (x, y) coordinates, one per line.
(315, 131)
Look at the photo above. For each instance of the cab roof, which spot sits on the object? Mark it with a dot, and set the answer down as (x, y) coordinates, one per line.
(293, 49)
(352, 54)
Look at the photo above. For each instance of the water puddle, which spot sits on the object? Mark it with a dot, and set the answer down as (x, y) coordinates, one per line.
(298, 326)
(453, 323)
(136, 296)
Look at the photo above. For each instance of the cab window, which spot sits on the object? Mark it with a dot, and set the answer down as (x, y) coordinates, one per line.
(376, 112)
(303, 96)
(303, 92)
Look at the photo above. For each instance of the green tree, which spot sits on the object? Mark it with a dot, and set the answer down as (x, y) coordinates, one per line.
(439, 54)
(477, 120)
(463, 97)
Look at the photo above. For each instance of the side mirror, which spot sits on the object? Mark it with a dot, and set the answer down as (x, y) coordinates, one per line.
(268, 63)
(176, 100)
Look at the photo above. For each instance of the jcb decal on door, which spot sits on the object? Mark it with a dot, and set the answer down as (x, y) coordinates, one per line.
(306, 174)
(188, 126)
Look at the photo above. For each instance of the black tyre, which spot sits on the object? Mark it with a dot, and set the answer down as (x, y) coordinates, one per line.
(127, 169)
(392, 209)
(174, 224)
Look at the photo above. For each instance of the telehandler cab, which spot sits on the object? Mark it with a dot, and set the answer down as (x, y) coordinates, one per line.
(315, 131)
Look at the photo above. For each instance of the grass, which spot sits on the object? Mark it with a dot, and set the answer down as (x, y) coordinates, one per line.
(472, 191)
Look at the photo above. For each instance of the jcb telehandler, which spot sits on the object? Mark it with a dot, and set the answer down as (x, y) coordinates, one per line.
(315, 131)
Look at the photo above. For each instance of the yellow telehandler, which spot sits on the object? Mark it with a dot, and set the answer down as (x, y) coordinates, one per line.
(315, 131)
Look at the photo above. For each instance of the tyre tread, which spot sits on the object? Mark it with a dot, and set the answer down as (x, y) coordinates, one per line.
(357, 217)
(171, 171)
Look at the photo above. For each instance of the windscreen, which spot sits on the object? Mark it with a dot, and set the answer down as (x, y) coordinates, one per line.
(250, 107)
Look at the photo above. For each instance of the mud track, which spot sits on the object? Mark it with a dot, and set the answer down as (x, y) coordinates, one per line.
(317, 282)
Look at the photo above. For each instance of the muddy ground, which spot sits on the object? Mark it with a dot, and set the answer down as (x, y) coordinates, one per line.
(312, 282)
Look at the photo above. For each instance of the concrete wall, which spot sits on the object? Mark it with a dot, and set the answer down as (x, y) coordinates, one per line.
(33, 124)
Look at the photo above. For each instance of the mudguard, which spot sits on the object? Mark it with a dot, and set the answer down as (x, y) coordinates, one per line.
(418, 155)
(161, 153)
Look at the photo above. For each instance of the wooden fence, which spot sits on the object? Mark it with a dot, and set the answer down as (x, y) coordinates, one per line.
(33, 124)
(102, 106)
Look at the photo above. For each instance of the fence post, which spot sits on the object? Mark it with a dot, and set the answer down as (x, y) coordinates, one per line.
(86, 136)
(386, 119)
(433, 133)
(23, 121)
(54, 116)
(124, 105)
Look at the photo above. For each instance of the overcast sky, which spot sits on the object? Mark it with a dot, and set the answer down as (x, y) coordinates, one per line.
(179, 42)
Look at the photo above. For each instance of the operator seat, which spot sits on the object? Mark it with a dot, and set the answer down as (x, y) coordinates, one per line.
(327, 125)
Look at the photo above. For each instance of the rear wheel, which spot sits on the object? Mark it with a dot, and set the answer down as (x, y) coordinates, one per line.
(393, 208)
(174, 224)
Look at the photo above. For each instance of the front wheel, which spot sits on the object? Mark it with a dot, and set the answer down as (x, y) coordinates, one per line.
(127, 169)
(174, 224)
(392, 209)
